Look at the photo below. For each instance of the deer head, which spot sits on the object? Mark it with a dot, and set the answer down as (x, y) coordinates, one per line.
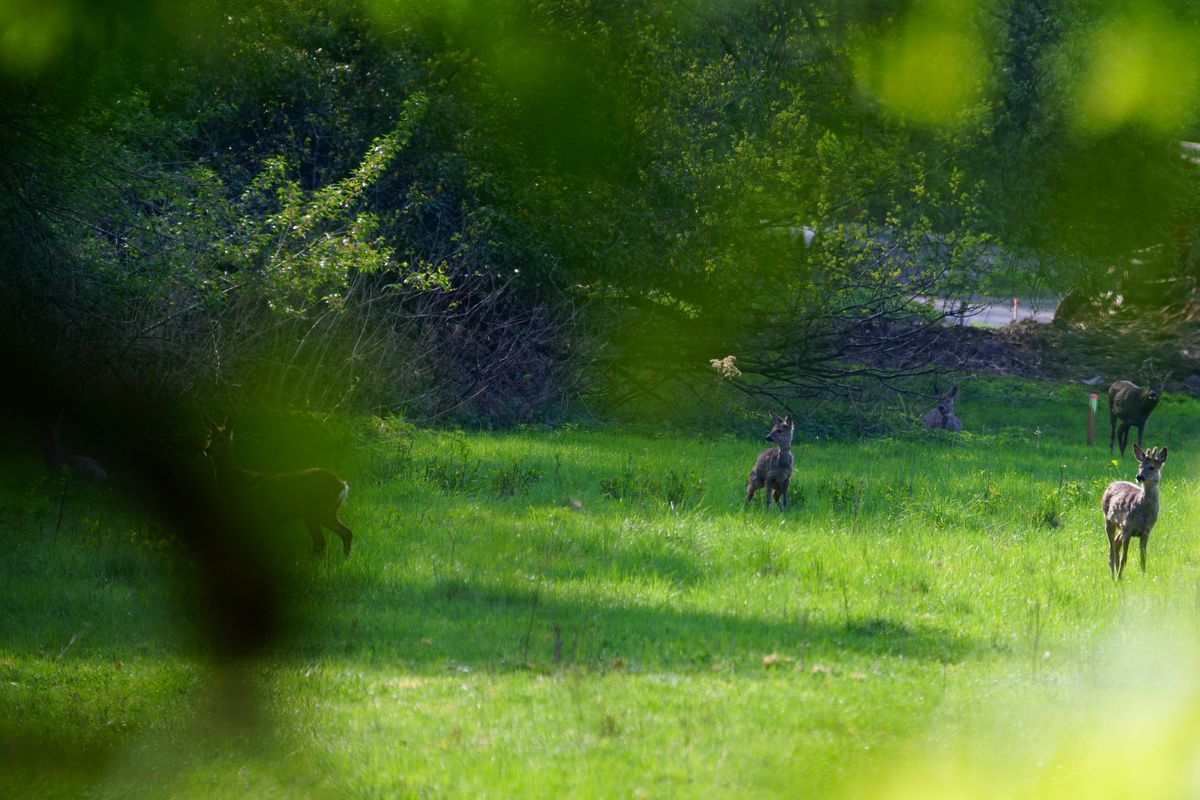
(1150, 463)
(218, 439)
(946, 400)
(781, 431)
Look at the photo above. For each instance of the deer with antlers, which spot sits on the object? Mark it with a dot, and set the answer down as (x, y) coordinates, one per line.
(1130, 511)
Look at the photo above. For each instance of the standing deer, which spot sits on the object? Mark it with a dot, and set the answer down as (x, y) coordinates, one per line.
(1130, 510)
(313, 495)
(76, 464)
(943, 415)
(773, 469)
(1131, 404)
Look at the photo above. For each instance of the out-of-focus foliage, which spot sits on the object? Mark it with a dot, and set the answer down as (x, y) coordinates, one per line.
(929, 64)
(395, 198)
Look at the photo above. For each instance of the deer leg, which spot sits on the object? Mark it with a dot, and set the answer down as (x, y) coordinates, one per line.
(1112, 434)
(335, 525)
(318, 536)
(767, 495)
(1142, 552)
(1140, 428)
(1123, 438)
(786, 501)
(751, 489)
(1124, 555)
(1113, 548)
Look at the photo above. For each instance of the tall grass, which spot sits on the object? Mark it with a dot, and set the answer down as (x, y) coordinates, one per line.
(591, 613)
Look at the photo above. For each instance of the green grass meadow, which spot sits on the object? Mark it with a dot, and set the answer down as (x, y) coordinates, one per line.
(591, 613)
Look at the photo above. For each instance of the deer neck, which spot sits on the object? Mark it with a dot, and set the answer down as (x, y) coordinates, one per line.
(1150, 492)
(225, 469)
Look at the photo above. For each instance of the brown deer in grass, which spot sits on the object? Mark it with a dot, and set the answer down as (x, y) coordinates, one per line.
(1131, 510)
(1131, 404)
(75, 464)
(313, 495)
(943, 416)
(773, 469)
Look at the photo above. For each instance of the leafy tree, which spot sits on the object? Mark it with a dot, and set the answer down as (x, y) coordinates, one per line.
(478, 208)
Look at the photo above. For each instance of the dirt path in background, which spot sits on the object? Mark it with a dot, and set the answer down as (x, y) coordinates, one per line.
(996, 312)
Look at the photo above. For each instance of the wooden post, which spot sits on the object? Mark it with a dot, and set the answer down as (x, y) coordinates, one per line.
(1014, 309)
(1092, 401)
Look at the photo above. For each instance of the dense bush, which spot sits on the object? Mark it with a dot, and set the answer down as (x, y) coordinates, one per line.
(490, 216)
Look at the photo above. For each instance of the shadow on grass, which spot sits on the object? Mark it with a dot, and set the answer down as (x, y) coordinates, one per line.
(453, 622)
(68, 599)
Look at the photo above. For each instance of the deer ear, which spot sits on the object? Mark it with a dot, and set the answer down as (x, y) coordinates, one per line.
(775, 418)
(1162, 455)
(1138, 452)
(936, 390)
(787, 420)
(954, 392)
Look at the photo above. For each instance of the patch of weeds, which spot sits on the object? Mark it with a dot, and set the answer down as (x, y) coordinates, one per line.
(636, 486)
(151, 537)
(898, 494)
(1048, 513)
(939, 514)
(389, 460)
(514, 479)
(1010, 435)
(844, 494)
(767, 561)
(622, 487)
(1073, 492)
(458, 474)
(990, 492)
(680, 488)
(452, 476)
(797, 498)
(387, 444)
(92, 533)
(1052, 506)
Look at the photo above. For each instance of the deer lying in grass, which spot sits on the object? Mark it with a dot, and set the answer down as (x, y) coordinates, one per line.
(1130, 510)
(313, 495)
(943, 415)
(1131, 404)
(74, 463)
(773, 469)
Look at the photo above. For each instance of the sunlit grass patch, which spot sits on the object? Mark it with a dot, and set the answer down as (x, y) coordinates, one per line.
(534, 632)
